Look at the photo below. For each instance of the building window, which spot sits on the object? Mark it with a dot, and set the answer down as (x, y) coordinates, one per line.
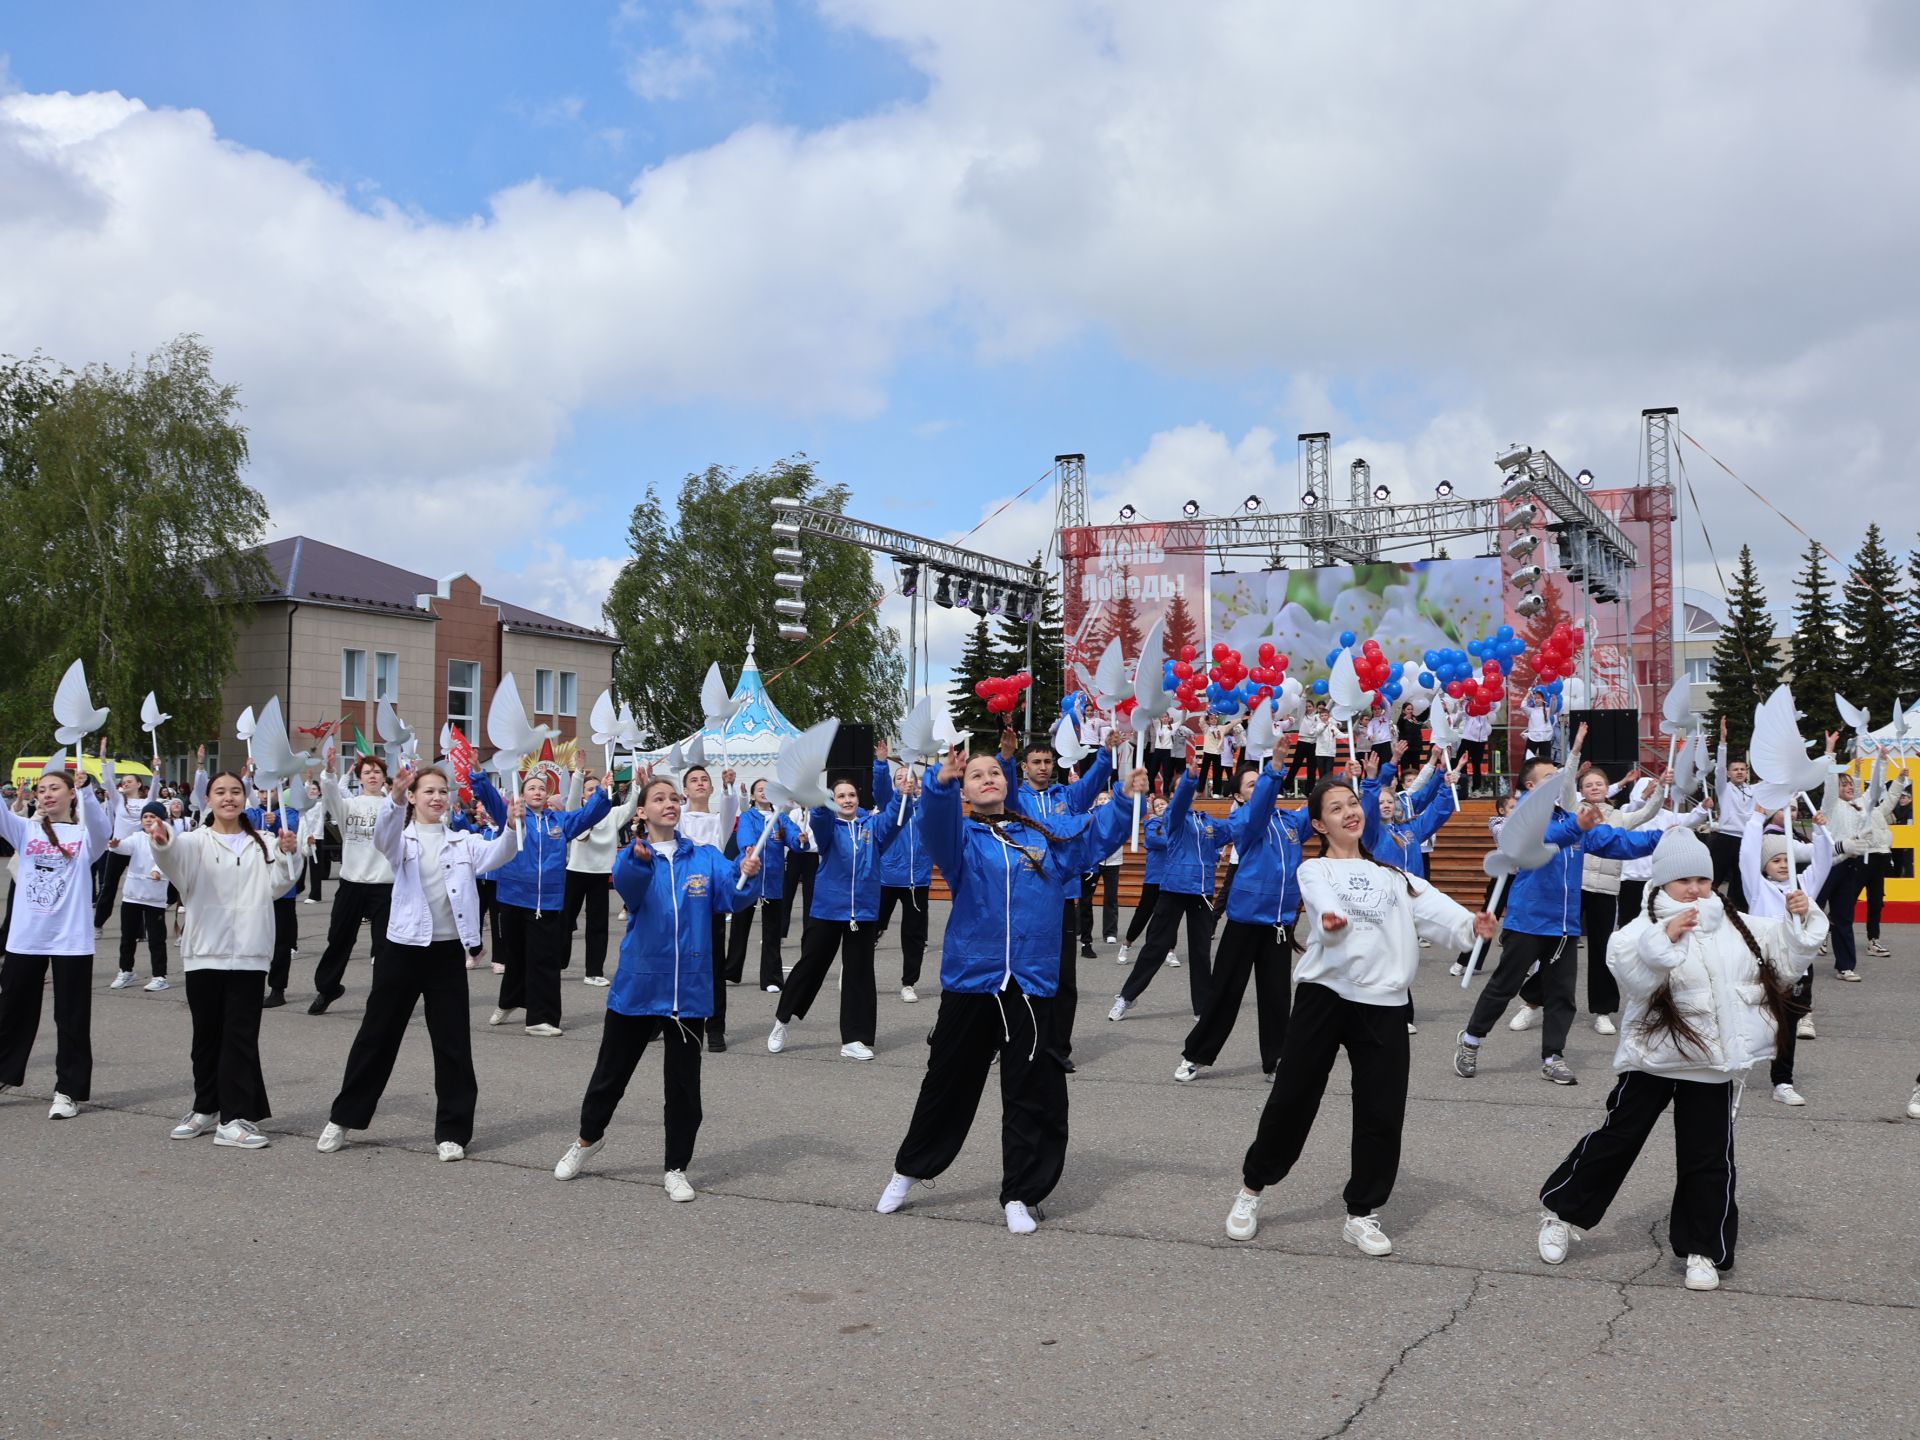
(463, 695)
(1700, 670)
(353, 674)
(386, 675)
(543, 692)
(569, 692)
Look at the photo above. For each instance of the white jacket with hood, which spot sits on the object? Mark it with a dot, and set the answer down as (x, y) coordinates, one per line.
(228, 895)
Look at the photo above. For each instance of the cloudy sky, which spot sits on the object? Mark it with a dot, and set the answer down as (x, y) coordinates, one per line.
(497, 268)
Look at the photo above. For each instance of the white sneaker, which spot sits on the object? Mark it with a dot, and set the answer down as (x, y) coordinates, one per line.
(192, 1126)
(1122, 956)
(576, 1156)
(772, 989)
(241, 1135)
(1186, 1072)
(1456, 969)
(1526, 1019)
(332, 1137)
(501, 1017)
(1556, 1236)
(1804, 1029)
(1363, 1231)
(677, 1186)
(1787, 1095)
(122, 980)
(1603, 1025)
(1412, 1029)
(777, 1038)
(544, 1030)
(450, 1150)
(309, 901)
(854, 1050)
(909, 995)
(599, 980)
(1852, 977)
(1243, 1221)
(1913, 1105)
(1702, 1273)
(62, 1108)
(1119, 1010)
(159, 982)
(1173, 962)
(1426, 944)
(1020, 1220)
(1112, 939)
(895, 1195)
(498, 968)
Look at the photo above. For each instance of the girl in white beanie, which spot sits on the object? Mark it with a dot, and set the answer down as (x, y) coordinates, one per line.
(1706, 992)
(1767, 879)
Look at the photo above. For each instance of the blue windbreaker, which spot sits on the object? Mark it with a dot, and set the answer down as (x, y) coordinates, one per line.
(1056, 803)
(666, 955)
(1266, 887)
(847, 886)
(1005, 921)
(1153, 835)
(905, 864)
(1399, 844)
(267, 822)
(1547, 901)
(1192, 843)
(536, 878)
(771, 882)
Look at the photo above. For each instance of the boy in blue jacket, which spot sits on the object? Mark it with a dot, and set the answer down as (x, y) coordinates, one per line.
(1543, 928)
(672, 889)
(1193, 843)
(767, 890)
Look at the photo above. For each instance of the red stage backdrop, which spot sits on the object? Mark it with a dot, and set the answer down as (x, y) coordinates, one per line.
(1118, 580)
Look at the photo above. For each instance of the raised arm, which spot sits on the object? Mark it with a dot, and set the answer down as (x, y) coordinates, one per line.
(883, 791)
(940, 825)
(587, 816)
(1083, 792)
(1752, 839)
(1175, 820)
(390, 827)
(1428, 822)
(485, 792)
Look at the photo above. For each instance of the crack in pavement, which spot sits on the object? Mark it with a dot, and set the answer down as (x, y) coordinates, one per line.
(1380, 1388)
(1621, 1287)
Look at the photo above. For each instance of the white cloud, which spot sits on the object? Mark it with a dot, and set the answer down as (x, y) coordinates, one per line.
(697, 39)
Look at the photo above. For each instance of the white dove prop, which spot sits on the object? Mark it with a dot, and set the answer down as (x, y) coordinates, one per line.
(1349, 700)
(605, 720)
(1107, 686)
(1290, 699)
(1445, 726)
(917, 742)
(1066, 743)
(1151, 700)
(1522, 845)
(1685, 772)
(150, 721)
(1857, 719)
(275, 762)
(1261, 735)
(396, 736)
(1412, 691)
(799, 776)
(1676, 715)
(73, 708)
(55, 763)
(1778, 755)
(718, 706)
(243, 729)
(511, 734)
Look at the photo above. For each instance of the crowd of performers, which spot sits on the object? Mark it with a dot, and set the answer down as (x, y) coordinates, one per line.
(1702, 925)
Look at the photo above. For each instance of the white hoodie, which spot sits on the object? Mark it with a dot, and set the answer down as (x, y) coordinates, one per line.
(228, 891)
(1371, 959)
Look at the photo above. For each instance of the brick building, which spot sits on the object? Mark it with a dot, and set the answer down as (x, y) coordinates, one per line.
(342, 631)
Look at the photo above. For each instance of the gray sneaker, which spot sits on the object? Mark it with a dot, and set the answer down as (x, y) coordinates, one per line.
(1555, 1069)
(1466, 1058)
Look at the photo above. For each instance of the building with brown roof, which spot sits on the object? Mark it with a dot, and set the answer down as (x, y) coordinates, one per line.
(340, 631)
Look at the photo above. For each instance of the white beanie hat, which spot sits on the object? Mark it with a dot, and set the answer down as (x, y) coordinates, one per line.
(1771, 848)
(1679, 856)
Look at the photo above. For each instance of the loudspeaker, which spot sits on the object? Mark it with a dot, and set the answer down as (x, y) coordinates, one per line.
(851, 758)
(1613, 739)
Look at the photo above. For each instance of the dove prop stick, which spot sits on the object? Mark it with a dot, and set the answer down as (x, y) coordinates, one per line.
(150, 721)
(512, 735)
(799, 777)
(718, 706)
(1349, 700)
(73, 708)
(1778, 756)
(605, 720)
(1676, 717)
(1522, 845)
(917, 742)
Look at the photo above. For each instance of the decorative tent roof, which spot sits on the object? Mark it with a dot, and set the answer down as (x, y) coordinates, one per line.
(752, 737)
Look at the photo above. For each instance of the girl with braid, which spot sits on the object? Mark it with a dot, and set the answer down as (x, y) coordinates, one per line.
(1707, 992)
(999, 975)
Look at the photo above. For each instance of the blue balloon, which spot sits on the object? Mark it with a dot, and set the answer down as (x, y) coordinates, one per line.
(1473, 648)
(1505, 632)
(1506, 664)
(1333, 656)
(1169, 684)
(1391, 690)
(1347, 637)
(1319, 687)
(1426, 678)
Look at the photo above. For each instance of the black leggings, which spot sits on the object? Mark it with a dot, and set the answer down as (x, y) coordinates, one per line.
(138, 920)
(1168, 911)
(1142, 912)
(1245, 949)
(23, 982)
(853, 942)
(623, 1040)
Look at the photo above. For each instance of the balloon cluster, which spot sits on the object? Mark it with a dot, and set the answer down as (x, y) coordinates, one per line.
(1229, 684)
(1553, 662)
(1003, 695)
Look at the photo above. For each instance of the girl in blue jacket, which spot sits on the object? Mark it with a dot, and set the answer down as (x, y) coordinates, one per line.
(1150, 882)
(766, 892)
(1262, 903)
(906, 877)
(672, 889)
(1193, 843)
(846, 902)
(999, 978)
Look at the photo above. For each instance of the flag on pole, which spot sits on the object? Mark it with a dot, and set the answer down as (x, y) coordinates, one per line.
(360, 745)
(461, 753)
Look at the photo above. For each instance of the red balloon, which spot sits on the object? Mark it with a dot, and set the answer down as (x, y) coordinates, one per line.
(1371, 648)
(1266, 692)
(1455, 689)
(1182, 670)
(983, 688)
(1280, 662)
(1189, 654)
(1266, 652)
(1221, 650)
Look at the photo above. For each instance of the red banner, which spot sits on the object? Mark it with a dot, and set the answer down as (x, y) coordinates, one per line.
(461, 753)
(1119, 579)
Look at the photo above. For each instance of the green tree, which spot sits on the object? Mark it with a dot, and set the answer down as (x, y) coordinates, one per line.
(1180, 630)
(1910, 627)
(128, 542)
(979, 660)
(699, 584)
(1049, 653)
(1870, 618)
(1746, 668)
(1819, 665)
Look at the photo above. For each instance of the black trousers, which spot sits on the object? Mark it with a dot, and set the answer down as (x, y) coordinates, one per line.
(1486, 902)
(1375, 1039)
(1211, 774)
(818, 945)
(435, 973)
(1599, 916)
(968, 1033)
(1245, 949)
(913, 926)
(1475, 754)
(623, 1040)
(773, 915)
(533, 947)
(1142, 912)
(489, 911)
(1162, 931)
(1842, 895)
(23, 983)
(1224, 889)
(803, 867)
(1879, 866)
(225, 1005)
(1787, 1042)
(1704, 1220)
(1105, 879)
(319, 870)
(286, 936)
(589, 893)
(1066, 995)
(149, 921)
(717, 955)
(357, 900)
(1557, 956)
(113, 866)
(1725, 850)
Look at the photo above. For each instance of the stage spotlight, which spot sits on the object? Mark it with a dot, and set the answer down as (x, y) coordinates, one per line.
(1527, 578)
(1530, 606)
(943, 592)
(1524, 546)
(1251, 504)
(1443, 489)
(1381, 492)
(962, 589)
(789, 579)
(793, 632)
(1584, 479)
(979, 605)
(1523, 518)
(909, 579)
(790, 609)
(996, 599)
(786, 555)
(1190, 509)
(1026, 606)
(1309, 500)
(1127, 512)
(1516, 458)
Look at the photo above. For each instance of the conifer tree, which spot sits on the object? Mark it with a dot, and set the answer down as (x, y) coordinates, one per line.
(1819, 665)
(1746, 668)
(978, 661)
(1875, 645)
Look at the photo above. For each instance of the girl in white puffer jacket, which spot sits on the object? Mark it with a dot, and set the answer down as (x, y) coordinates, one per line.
(1706, 991)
